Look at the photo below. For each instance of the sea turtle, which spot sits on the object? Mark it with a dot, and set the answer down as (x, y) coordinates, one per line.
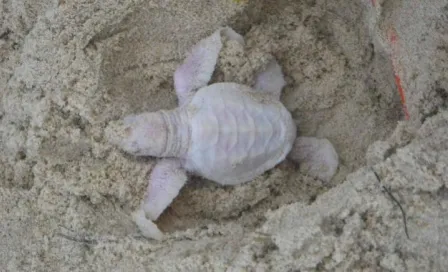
(225, 132)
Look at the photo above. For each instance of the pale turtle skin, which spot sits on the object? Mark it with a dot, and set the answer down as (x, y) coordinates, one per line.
(225, 132)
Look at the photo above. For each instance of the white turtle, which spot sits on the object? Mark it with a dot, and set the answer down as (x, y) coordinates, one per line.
(226, 132)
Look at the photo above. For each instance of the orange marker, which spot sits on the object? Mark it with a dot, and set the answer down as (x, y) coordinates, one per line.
(393, 42)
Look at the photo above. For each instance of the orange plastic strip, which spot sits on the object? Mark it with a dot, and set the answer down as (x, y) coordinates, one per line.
(393, 41)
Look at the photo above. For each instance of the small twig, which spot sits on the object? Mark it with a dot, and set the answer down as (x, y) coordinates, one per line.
(78, 240)
(401, 208)
(403, 213)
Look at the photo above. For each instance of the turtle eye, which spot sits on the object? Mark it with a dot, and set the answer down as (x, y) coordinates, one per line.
(128, 132)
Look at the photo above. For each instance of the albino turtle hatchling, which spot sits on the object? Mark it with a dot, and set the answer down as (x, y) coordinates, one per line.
(225, 132)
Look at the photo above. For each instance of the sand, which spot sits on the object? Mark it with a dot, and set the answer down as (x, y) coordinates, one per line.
(70, 67)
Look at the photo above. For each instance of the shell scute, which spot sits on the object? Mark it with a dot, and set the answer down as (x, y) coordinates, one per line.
(237, 133)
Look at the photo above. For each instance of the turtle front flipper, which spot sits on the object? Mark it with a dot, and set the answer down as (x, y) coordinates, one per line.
(197, 69)
(270, 80)
(165, 182)
(316, 157)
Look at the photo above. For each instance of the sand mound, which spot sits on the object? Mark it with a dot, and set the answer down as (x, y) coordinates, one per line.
(70, 67)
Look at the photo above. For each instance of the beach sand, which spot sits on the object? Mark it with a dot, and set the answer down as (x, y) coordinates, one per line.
(70, 67)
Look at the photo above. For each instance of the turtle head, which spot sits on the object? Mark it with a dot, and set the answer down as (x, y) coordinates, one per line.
(142, 135)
